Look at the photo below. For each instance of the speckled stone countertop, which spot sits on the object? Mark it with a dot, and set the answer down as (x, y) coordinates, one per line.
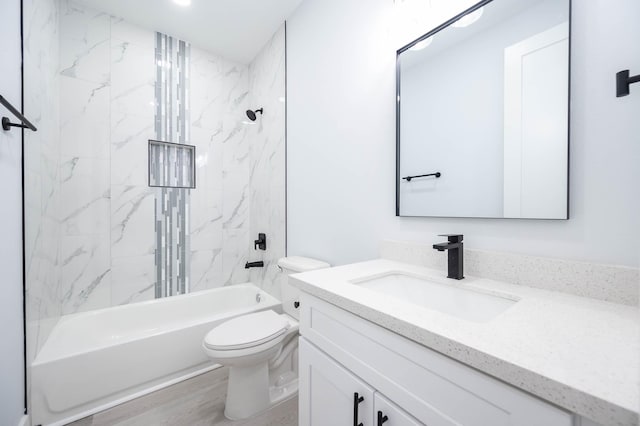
(581, 354)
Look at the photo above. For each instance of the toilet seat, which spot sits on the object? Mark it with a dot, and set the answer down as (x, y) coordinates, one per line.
(246, 331)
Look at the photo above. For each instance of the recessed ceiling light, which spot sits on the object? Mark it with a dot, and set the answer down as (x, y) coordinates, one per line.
(469, 19)
(182, 2)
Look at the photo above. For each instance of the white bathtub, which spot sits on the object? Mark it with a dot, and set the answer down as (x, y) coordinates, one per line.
(97, 359)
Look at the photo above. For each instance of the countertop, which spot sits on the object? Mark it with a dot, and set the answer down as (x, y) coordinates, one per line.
(581, 354)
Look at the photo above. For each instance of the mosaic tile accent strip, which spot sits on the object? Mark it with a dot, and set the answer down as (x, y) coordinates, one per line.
(171, 165)
(172, 262)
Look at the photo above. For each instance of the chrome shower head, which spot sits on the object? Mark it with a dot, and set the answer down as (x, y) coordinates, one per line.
(252, 114)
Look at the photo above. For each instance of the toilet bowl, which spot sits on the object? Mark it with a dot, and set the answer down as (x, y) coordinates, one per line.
(260, 350)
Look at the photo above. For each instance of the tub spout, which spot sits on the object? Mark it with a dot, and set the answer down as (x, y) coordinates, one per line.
(259, 264)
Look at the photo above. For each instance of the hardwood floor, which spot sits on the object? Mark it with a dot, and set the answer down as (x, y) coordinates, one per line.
(195, 402)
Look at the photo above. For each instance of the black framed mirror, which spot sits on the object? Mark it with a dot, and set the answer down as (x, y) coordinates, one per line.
(482, 114)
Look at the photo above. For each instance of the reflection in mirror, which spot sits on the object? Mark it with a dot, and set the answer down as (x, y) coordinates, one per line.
(483, 114)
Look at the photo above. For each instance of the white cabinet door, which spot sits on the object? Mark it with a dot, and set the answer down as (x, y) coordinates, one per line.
(329, 394)
(389, 414)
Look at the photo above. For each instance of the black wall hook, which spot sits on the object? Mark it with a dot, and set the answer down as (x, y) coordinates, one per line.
(7, 124)
(623, 81)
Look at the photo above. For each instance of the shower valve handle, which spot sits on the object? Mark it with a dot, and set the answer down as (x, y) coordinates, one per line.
(261, 242)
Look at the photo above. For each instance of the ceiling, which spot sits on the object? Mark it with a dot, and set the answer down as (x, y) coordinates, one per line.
(234, 29)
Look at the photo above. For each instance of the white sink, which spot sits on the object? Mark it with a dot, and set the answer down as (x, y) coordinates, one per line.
(447, 298)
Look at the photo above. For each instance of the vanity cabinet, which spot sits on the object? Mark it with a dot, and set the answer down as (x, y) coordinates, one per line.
(342, 354)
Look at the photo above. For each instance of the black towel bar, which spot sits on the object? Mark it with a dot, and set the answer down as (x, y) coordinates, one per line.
(408, 178)
(7, 124)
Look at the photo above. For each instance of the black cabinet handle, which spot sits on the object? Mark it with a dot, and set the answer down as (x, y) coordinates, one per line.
(381, 418)
(357, 399)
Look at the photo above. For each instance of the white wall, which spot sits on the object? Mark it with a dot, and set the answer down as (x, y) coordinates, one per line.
(341, 141)
(11, 332)
(41, 169)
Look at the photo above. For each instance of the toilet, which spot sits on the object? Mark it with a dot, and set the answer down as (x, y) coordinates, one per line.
(261, 349)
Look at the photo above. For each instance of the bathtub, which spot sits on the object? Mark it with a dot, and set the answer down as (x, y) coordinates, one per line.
(97, 359)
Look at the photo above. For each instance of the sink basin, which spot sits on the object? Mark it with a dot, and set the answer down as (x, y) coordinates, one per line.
(446, 298)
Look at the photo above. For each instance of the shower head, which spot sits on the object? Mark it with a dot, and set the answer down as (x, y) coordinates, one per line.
(252, 114)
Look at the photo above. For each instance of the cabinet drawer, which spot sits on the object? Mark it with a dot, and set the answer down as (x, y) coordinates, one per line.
(433, 388)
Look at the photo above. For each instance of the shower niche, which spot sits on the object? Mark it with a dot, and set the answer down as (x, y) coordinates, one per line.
(171, 165)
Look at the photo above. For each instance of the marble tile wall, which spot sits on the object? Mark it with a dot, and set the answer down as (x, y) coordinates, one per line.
(131, 231)
(41, 172)
(90, 243)
(120, 268)
(267, 156)
(85, 158)
(90, 211)
(41, 167)
(220, 202)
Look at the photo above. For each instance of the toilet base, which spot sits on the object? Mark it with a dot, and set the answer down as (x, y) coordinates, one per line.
(278, 394)
(249, 393)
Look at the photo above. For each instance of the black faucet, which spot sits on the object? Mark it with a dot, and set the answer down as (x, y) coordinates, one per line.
(259, 264)
(456, 260)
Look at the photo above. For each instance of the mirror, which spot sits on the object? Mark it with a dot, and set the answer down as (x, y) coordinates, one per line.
(483, 114)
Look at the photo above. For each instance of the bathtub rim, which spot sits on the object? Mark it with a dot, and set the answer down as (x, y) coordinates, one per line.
(268, 301)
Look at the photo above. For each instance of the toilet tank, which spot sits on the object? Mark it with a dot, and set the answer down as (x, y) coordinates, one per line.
(290, 294)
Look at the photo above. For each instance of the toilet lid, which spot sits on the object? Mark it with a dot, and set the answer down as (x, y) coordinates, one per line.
(246, 331)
